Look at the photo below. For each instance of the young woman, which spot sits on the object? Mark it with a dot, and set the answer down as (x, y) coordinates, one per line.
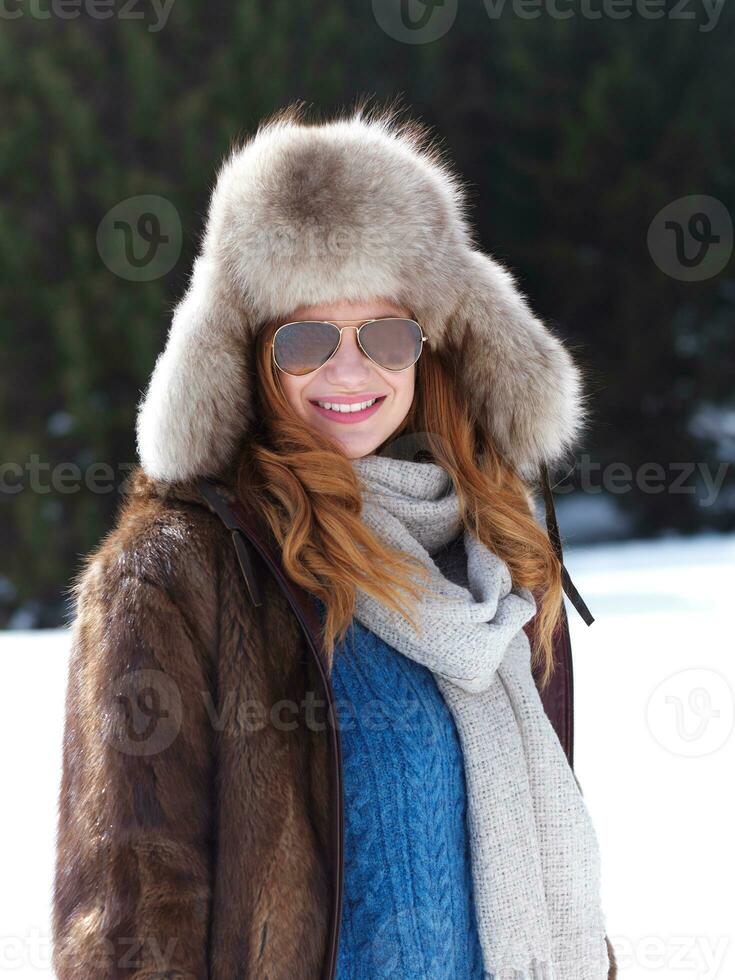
(351, 386)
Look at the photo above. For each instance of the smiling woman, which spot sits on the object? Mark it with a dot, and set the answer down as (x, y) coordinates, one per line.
(296, 389)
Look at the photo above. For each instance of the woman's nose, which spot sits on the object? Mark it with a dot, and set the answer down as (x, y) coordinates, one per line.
(349, 357)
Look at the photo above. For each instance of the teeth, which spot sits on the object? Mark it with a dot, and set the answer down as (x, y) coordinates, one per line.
(358, 407)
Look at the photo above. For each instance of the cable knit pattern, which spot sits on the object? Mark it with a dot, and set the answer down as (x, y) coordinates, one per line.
(408, 912)
(534, 851)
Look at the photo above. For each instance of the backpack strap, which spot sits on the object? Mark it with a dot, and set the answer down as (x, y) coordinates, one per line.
(254, 544)
(553, 529)
(219, 504)
(255, 547)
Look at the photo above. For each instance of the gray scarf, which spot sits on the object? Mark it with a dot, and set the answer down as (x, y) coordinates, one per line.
(535, 858)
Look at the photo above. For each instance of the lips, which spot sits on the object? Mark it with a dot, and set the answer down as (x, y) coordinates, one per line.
(349, 418)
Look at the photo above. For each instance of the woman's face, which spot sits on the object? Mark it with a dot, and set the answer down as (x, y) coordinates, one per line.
(350, 377)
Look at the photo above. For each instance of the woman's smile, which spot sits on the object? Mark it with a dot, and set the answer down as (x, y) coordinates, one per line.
(343, 408)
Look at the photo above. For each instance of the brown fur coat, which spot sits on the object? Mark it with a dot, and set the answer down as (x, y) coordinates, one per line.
(191, 832)
(193, 826)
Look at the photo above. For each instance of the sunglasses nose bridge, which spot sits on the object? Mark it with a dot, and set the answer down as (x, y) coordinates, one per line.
(356, 328)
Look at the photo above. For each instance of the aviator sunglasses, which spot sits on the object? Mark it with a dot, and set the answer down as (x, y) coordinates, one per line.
(303, 346)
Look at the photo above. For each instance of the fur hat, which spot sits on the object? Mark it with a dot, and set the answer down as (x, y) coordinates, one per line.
(360, 206)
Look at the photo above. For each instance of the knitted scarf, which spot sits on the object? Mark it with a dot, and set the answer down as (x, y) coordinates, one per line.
(534, 851)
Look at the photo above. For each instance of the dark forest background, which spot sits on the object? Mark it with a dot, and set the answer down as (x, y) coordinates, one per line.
(575, 132)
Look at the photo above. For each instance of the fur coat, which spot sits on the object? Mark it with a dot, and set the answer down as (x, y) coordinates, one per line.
(193, 834)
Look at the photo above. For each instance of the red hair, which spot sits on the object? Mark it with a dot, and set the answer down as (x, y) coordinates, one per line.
(307, 491)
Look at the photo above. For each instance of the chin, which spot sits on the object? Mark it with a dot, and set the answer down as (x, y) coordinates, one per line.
(358, 446)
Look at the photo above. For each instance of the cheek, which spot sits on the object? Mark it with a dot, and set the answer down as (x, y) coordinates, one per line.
(404, 387)
(292, 389)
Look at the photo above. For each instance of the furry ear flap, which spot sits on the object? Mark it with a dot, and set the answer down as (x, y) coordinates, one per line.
(198, 401)
(522, 383)
(286, 225)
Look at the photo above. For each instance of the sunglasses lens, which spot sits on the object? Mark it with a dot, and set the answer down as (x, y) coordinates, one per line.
(394, 343)
(300, 348)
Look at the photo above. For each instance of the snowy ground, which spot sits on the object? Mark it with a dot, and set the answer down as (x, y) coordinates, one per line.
(654, 753)
(654, 748)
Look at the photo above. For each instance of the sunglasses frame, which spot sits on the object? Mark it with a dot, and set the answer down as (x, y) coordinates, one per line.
(333, 323)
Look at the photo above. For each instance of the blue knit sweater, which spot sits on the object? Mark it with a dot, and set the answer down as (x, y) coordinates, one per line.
(408, 911)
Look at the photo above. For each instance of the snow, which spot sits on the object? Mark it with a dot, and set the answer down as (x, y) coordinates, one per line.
(654, 751)
(654, 754)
